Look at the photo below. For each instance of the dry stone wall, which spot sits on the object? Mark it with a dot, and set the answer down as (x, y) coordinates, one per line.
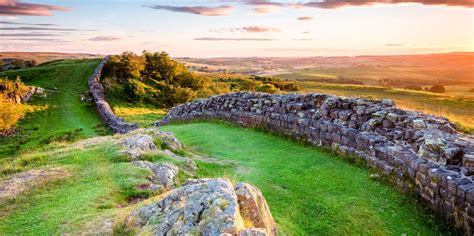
(419, 152)
(117, 124)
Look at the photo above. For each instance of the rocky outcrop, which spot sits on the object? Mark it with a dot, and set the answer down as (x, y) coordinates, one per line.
(117, 124)
(138, 145)
(163, 173)
(29, 180)
(419, 152)
(204, 207)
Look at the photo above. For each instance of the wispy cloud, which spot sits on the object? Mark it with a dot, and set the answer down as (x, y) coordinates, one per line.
(305, 18)
(393, 45)
(15, 7)
(105, 38)
(29, 35)
(302, 39)
(19, 23)
(247, 29)
(198, 10)
(306, 32)
(232, 39)
(39, 40)
(40, 29)
(331, 4)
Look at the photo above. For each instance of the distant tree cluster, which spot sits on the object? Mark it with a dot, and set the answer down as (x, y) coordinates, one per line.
(16, 64)
(156, 78)
(437, 89)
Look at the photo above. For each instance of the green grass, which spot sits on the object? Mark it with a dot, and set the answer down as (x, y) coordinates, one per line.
(308, 190)
(65, 112)
(99, 183)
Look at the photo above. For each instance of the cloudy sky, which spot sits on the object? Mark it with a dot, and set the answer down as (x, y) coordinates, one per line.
(238, 28)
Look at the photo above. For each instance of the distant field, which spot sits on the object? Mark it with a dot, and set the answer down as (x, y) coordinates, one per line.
(41, 57)
(459, 109)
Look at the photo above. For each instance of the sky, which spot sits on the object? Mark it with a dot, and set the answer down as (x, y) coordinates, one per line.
(242, 28)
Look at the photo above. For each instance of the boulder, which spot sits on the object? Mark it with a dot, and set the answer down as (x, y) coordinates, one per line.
(138, 145)
(254, 208)
(199, 207)
(163, 173)
(167, 138)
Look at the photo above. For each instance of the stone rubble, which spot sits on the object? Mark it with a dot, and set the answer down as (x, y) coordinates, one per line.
(419, 152)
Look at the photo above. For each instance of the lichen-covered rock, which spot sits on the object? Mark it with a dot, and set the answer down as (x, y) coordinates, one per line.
(199, 207)
(138, 145)
(163, 173)
(166, 138)
(254, 208)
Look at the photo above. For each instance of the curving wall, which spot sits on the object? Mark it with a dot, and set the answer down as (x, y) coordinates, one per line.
(117, 124)
(419, 152)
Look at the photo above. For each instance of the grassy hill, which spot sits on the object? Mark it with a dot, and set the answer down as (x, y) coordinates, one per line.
(309, 191)
(65, 116)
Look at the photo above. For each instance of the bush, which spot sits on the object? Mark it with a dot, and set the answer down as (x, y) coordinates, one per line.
(267, 88)
(413, 87)
(471, 90)
(437, 89)
(10, 113)
(286, 86)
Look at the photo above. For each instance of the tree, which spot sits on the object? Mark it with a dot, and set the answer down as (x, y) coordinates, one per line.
(437, 89)
(159, 66)
(126, 66)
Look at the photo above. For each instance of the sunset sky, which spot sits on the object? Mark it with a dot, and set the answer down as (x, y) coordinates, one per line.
(238, 28)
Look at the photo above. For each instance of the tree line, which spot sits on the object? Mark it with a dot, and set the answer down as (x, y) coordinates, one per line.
(155, 78)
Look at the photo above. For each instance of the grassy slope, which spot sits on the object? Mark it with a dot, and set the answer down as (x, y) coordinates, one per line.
(310, 191)
(65, 112)
(99, 183)
(459, 109)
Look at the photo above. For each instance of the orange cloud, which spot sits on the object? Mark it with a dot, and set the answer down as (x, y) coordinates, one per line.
(304, 18)
(247, 29)
(232, 39)
(14, 8)
(198, 10)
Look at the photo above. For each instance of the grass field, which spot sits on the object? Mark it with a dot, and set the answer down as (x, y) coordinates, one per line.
(459, 109)
(65, 114)
(310, 191)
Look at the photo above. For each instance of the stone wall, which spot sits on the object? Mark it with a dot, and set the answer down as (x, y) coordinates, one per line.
(418, 152)
(117, 124)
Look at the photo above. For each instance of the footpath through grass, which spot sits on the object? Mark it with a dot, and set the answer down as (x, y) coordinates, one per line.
(309, 191)
(65, 117)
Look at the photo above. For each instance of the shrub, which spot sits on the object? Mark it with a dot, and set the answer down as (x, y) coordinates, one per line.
(10, 113)
(286, 86)
(413, 87)
(437, 89)
(267, 88)
(471, 90)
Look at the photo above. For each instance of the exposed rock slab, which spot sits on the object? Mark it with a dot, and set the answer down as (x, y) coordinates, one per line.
(201, 206)
(28, 180)
(163, 173)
